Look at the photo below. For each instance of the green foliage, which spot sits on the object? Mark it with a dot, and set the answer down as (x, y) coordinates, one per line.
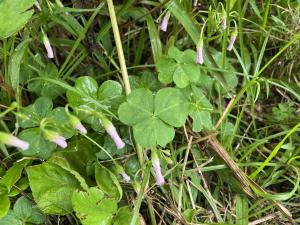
(180, 67)
(52, 195)
(93, 208)
(283, 112)
(45, 88)
(23, 213)
(14, 15)
(153, 117)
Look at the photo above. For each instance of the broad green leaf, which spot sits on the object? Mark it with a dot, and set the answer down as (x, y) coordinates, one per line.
(53, 194)
(124, 216)
(170, 106)
(45, 88)
(108, 182)
(166, 68)
(15, 63)
(110, 93)
(153, 131)
(152, 117)
(34, 113)
(25, 211)
(92, 208)
(14, 15)
(10, 219)
(145, 80)
(38, 145)
(19, 187)
(201, 120)
(139, 106)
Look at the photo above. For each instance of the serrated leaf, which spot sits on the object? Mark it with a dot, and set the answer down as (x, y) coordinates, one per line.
(92, 208)
(52, 195)
(124, 216)
(14, 15)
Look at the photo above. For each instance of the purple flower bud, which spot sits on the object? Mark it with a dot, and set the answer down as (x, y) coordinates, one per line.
(81, 128)
(16, 142)
(200, 55)
(232, 40)
(165, 21)
(75, 122)
(60, 141)
(48, 47)
(125, 177)
(11, 140)
(159, 177)
(111, 130)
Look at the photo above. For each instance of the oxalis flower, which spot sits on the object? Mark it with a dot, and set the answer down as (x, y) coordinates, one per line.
(112, 131)
(125, 177)
(232, 40)
(224, 22)
(165, 21)
(55, 138)
(200, 59)
(160, 180)
(11, 140)
(76, 124)
(48, 46)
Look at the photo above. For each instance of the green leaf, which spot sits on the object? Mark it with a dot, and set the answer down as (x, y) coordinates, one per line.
(110, 93)
(38, 145)
(181, 67)
(145, 80)
(52, 187)
(26, 212)
(10, 219)
(92, 208)
(108, 182)
(152, 119)
(153, 131)
(13, 174)
(242, 212)
(34, 113)
(124, 216)
(170, 106)
(14, 15)
(4, 205)
(45, 88)
(15, 63)
(140, 103)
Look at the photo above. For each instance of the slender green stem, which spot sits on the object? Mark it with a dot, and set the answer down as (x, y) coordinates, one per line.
(124, 72)
(118, 41)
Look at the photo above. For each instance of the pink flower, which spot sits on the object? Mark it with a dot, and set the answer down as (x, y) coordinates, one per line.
(48, 47)
(231, 43)
(165, 21)
(200, 55)
(159, 177)
(111, 130)
(60, 141)
(11, 140)
(81, 128)
(55, 138)
(75, 122)
(125, 177)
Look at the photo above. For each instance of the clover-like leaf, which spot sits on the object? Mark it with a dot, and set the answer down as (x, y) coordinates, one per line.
(14, 15)
(87, 95)
(144, 80)
(180, 67)
(153, 117)
(45, 88)
(34, 113)
(92, 208)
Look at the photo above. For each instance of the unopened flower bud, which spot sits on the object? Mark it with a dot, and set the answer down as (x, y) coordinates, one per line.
(55, 138)
(165, 21)
(11, 140)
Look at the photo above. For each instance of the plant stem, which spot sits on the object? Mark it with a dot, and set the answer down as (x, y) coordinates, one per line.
(118, 41)
(124, 72)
